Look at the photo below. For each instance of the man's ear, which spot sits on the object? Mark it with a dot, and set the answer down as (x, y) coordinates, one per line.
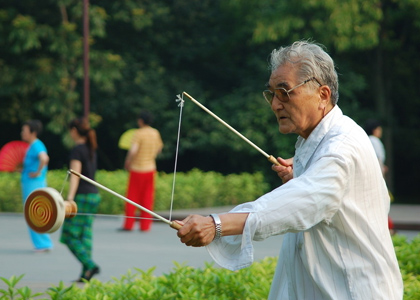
(324, 96)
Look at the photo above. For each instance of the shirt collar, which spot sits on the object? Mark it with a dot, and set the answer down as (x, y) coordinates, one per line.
(306, 147)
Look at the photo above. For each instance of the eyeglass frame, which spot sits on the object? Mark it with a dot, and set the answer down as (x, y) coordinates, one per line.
(273, 94)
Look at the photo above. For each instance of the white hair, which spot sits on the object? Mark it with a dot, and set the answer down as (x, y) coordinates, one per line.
(311, 60)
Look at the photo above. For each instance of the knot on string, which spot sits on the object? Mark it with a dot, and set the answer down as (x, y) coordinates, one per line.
(180, 99)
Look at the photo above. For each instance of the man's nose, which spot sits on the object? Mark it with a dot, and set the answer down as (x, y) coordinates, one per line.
(276, 104)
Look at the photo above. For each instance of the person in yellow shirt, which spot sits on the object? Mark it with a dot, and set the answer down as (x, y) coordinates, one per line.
(141, 163)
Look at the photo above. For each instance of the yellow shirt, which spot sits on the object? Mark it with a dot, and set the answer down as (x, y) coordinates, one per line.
(149, 145)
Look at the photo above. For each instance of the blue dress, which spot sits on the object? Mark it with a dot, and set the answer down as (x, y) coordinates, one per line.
(31, 164)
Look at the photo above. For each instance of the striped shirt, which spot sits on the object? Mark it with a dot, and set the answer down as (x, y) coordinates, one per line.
(334, 214)
(149, 145)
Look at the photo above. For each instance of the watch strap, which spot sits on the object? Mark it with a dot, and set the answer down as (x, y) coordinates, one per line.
(218, 226)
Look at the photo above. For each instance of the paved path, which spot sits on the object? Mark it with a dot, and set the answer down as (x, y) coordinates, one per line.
(115, 253)
(405, 217)
(118, 252)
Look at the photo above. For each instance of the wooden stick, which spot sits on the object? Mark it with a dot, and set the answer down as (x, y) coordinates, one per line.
(170, 223)
(270, 158)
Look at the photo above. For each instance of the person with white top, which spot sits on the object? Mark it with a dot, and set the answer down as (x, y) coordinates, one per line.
(373, 129)
(333, 205)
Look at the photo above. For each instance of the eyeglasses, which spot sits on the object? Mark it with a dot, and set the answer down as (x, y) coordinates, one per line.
(282, 94)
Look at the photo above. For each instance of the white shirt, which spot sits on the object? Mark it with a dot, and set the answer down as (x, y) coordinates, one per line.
(378, 147)
(334, 215)
(379, 150)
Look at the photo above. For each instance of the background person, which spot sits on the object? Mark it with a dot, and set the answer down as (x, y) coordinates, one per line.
(77, 231)
(141, 163)
(373, 129)
(333, 211)
(34, 175)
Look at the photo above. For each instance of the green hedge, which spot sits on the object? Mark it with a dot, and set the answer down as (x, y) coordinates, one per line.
(209, 282)
(193, 189)
(10, 192)
(408, 254)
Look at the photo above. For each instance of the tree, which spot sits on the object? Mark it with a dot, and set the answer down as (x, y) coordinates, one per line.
(41, 60)
(144, 53)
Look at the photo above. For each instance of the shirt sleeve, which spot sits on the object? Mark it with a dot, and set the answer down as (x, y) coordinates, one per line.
(75, 154)
(298, 205)
(39, 148)
(136, 139)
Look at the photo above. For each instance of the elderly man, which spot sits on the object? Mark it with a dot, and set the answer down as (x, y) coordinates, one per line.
(333, 206)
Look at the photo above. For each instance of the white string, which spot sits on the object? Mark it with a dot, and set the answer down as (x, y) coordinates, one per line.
(179, 99)
(112, 216)
(101, 215)
(64, 183)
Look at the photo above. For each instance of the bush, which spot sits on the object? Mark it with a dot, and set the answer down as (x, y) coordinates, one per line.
(183, 282)
(193, 189)
(210, 282)
(409, 261)
(10, 192)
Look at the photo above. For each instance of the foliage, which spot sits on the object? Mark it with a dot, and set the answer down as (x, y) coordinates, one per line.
(10, 192)
(407, 255)
(13, 292)
(194, 189)
(143, 53)
(210, 282)
(182, 283)
(42, 57)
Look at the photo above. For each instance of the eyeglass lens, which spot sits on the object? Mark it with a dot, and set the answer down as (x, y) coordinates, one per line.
(280, 93)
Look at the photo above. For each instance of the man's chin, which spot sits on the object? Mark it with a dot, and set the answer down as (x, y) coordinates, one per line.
(285, 130)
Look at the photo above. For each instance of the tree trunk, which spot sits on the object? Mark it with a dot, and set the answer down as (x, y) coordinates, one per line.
(383, 106)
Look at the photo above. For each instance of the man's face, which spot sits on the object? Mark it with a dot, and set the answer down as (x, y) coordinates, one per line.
(301, 113)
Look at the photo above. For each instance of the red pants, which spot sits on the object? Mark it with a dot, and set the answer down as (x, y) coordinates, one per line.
(141, 190)
(390, 223)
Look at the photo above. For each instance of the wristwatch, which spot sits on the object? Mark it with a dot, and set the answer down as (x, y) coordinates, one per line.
(218, 225)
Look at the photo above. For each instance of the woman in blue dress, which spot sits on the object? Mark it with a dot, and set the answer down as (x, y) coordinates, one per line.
(34, 173)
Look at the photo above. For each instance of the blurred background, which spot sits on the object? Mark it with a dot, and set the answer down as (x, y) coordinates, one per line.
(136, 55)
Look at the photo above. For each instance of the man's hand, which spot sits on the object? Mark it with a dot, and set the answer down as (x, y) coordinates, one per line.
(285, 169)
(197, 231)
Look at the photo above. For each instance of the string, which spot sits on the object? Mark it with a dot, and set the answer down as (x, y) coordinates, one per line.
(64, 183)
(113, 216)
(181, 105)
(101, 215)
